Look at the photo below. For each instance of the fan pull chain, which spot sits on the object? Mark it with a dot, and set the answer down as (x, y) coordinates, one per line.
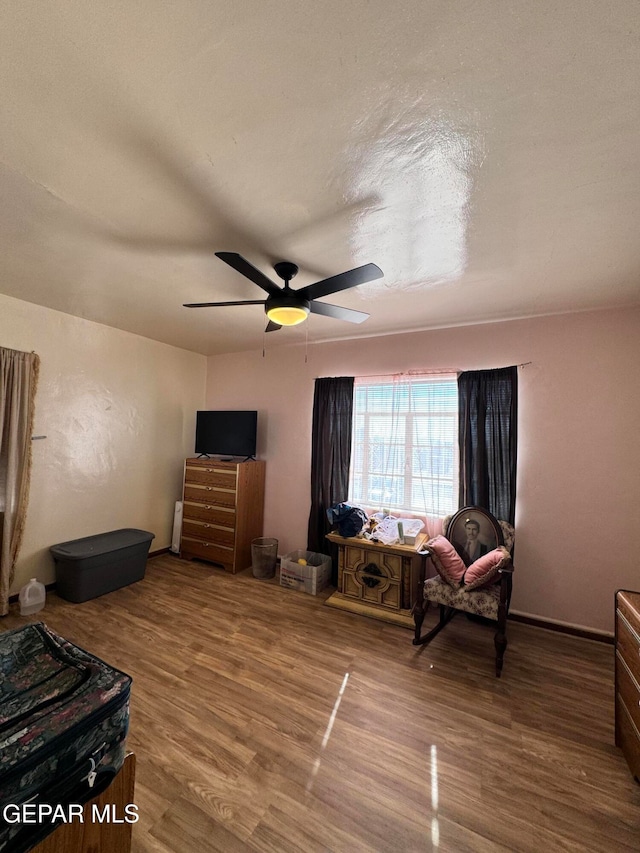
(306, 341)
(264, 341)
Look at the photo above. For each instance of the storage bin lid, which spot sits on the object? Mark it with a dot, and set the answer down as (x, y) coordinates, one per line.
(102, 543)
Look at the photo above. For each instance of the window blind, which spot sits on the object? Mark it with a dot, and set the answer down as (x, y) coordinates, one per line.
(404, 445)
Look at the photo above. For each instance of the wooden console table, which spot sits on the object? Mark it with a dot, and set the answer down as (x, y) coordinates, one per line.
(381, 581)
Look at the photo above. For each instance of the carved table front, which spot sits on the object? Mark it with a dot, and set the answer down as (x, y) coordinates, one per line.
(381, 581)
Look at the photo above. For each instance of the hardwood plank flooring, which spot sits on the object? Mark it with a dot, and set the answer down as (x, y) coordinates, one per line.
(264, 721)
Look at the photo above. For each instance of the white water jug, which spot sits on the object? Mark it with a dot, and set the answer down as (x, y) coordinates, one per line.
(32, 597)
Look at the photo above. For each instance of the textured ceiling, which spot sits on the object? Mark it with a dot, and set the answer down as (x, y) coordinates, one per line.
(486, 155)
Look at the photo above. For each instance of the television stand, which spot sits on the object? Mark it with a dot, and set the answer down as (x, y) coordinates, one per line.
(204, 456)
(249, 458)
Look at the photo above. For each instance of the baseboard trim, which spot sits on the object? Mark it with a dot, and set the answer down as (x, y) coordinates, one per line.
(51, 586)
(562, 627)
(159, 552)
(514, 616)
(16, 596)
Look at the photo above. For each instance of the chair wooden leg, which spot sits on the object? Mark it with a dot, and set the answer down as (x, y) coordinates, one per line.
(419, 611)
(446, 615)
(500, 639)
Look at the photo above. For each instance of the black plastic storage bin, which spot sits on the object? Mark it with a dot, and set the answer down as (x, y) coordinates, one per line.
(89, 567)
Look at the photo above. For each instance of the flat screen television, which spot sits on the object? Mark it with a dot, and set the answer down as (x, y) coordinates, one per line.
(226, 433)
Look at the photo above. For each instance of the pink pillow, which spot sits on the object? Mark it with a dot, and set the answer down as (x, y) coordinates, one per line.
(486, 568)
(446, 559)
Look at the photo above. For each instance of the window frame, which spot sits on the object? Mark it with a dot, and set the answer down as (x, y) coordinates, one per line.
(363, 495)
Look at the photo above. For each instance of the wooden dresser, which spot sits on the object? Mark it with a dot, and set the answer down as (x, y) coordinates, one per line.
(223, 508)
(382, 581)
(628, 677)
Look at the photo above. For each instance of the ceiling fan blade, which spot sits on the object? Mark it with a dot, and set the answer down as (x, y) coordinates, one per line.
(352, 278)
(218, 304)
(273, 327)
(249, 271)
(338, 313)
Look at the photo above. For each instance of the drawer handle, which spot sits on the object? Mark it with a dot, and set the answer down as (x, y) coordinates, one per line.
(207, 507)
(209, 488)
(369, 581)
(209, 470)
(207, 525)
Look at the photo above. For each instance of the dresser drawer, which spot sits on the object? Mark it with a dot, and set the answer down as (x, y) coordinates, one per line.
(370, 589)
(191, 547)
(627, 689)
(214, 514)
(628, 643)
(628, 604)
(210, 477)
(209, 495)
(628, 738)
(357, 559)
(212, 533)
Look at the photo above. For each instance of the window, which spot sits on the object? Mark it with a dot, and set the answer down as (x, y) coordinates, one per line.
(404, 453)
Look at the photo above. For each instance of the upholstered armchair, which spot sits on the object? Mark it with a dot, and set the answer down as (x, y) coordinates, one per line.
(474, 566)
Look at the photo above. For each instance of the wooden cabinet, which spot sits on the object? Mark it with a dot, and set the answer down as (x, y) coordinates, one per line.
(382, 581)
(223, 507)
(628, 677)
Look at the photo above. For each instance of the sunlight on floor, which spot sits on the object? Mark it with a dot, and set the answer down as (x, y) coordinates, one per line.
(327, 734)
(435, 830)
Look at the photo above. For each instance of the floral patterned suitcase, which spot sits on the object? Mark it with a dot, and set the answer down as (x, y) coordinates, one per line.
(64, 716)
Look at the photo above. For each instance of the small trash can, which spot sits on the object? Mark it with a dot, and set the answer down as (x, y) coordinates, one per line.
(264, 556)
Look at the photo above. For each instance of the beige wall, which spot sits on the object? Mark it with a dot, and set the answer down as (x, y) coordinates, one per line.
(118, 411)
(579, 456)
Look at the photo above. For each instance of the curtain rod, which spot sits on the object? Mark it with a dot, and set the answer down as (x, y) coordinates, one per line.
(449, 370)
(439, 370)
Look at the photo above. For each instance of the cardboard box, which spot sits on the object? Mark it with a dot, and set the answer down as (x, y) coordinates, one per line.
(310, 578)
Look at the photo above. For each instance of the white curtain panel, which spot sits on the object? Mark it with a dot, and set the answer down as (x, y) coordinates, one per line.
(405, 445)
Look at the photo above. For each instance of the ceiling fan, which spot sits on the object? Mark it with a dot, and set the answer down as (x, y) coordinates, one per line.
(286, 307)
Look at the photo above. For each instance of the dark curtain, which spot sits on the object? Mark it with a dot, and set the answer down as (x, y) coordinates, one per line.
(330, 457)
(488, 433)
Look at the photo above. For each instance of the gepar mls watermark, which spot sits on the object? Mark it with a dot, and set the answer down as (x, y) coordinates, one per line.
(35, 813)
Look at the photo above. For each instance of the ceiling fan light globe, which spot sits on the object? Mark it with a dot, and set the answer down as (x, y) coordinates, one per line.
(288, 315)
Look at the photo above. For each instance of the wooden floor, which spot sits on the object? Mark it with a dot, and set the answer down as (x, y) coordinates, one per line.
(265, 721)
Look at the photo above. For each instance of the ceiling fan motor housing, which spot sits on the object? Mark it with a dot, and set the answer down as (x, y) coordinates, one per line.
(286, 308)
